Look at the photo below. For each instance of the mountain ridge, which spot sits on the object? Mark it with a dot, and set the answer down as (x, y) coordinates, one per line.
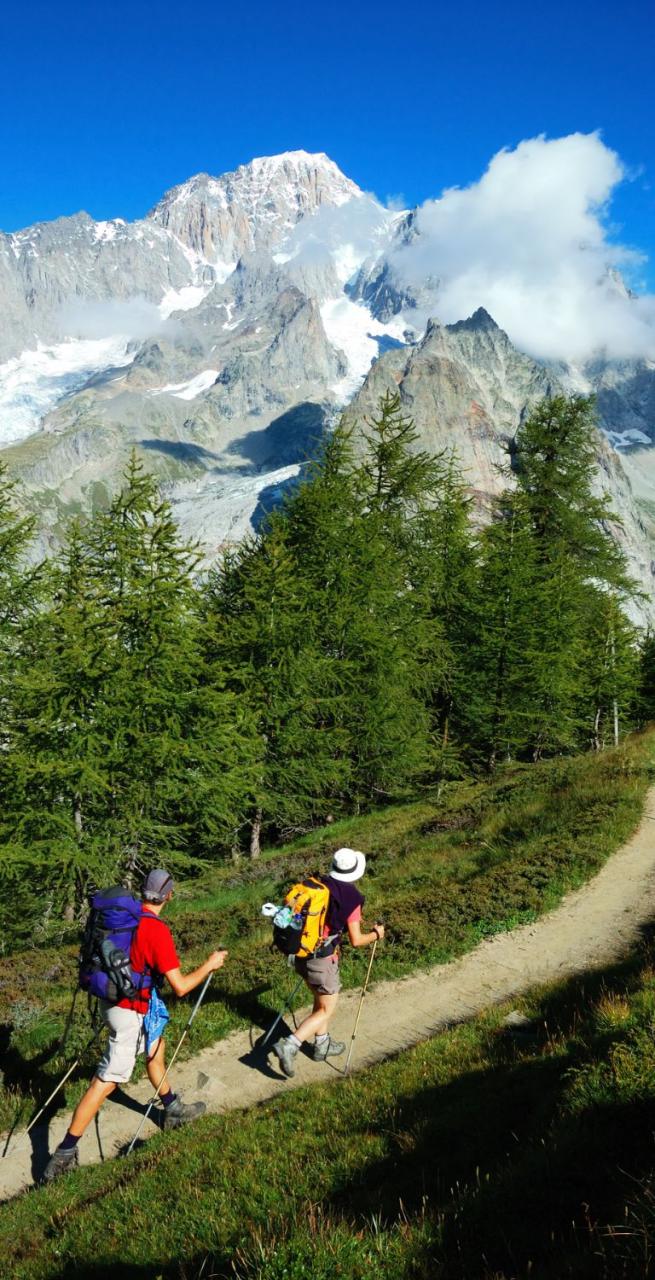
(223, 333)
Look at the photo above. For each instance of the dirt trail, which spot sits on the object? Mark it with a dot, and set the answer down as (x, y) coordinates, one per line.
(590, 928)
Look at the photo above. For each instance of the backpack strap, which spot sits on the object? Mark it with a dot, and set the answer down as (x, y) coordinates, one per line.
(147, 980)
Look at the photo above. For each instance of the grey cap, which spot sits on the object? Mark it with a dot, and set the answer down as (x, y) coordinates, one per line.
(157, 885)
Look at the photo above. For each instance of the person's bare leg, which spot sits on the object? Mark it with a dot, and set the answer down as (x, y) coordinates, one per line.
(156, 1067)
(89, 1105)
(316, 1023)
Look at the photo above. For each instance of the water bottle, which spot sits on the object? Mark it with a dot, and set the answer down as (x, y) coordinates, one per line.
(283, 918)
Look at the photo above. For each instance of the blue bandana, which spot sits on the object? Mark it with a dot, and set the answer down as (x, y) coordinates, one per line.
(155, 1021)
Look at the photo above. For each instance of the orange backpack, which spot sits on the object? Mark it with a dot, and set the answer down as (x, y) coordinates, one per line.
(307, 902)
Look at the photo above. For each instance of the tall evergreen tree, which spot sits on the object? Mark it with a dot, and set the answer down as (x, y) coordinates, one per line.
(498, 678)
(644, 700)
(446, 570)
(565, 550)
(56, 785)
(121, 750)
(156, 696)
(258, 630)
(21, 585)
(611, 671)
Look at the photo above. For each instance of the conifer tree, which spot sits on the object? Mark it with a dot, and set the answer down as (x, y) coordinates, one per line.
(497, 710)
(357, 530)
(258, 630)
(21, 585)
(554, 465)
(552, 530)
(644, 700)
(445, 562)
(121, 751)
(611, 671)
(156, 698)
(55, 768)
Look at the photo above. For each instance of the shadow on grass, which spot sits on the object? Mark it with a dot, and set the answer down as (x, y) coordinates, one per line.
(522, 1185)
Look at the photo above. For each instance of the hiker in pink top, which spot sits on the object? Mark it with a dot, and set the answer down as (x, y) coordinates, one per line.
(321, 973)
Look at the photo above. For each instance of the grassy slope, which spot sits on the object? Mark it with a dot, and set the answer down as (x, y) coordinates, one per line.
(443, 872)
(480, 1155)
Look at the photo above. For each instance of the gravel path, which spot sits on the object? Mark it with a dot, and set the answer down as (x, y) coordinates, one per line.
(590, 928)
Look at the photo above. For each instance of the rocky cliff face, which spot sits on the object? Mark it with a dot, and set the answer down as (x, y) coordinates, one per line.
(467, 389)
(221, 334)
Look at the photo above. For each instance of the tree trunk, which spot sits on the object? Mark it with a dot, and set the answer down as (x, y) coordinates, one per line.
(255, 833)
(615, 705)
(596, 727)
(130, 866)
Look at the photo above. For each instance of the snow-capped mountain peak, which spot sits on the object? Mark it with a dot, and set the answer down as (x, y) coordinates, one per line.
(253, 208)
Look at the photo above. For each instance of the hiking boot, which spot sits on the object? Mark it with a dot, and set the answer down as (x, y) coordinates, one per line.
(180, 1112)
(328, 1049)
(60, 1162)
(286, 1052)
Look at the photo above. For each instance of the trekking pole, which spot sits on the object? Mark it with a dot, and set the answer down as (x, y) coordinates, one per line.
(283, 1010)
(53, 1094)
(287, 1005)
(361, 1001)
(180, 1042)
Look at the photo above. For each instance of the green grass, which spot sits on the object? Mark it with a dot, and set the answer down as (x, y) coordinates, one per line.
(479, 1155)
(444, 871)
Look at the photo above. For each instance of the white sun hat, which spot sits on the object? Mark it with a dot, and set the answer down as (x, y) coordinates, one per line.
(348, 864)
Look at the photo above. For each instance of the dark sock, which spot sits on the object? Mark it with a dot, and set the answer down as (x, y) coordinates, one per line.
(69, 1142)
(168, 1097)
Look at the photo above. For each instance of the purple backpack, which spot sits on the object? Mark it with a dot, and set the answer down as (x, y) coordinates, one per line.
(105, 969)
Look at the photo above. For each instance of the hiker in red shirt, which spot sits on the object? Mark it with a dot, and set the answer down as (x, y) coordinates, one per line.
(152, 953)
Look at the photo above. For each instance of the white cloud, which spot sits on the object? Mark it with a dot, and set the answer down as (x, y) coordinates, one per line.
(530, 242)
(342, 236)
(133, 317)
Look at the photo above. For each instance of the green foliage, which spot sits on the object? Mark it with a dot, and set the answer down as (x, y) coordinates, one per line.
(105, 770)
(367, 643)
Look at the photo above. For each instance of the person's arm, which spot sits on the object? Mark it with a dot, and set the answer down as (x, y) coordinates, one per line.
(183, 983)
(359, 939)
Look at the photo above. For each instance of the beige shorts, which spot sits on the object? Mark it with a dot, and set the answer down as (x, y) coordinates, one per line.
(321, 974)
(126, 1040)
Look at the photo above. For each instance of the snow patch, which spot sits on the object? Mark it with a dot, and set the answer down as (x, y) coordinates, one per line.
(185, 299)
(105, 231)
(627, 439)
(33, 383)
(222, 270)
(229, 310)
(351, 328)
(189, 390)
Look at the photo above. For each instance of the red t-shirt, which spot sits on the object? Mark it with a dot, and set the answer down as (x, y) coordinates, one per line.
(152, 950)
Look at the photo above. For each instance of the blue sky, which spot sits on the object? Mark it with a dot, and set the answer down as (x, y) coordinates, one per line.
(103, 108)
